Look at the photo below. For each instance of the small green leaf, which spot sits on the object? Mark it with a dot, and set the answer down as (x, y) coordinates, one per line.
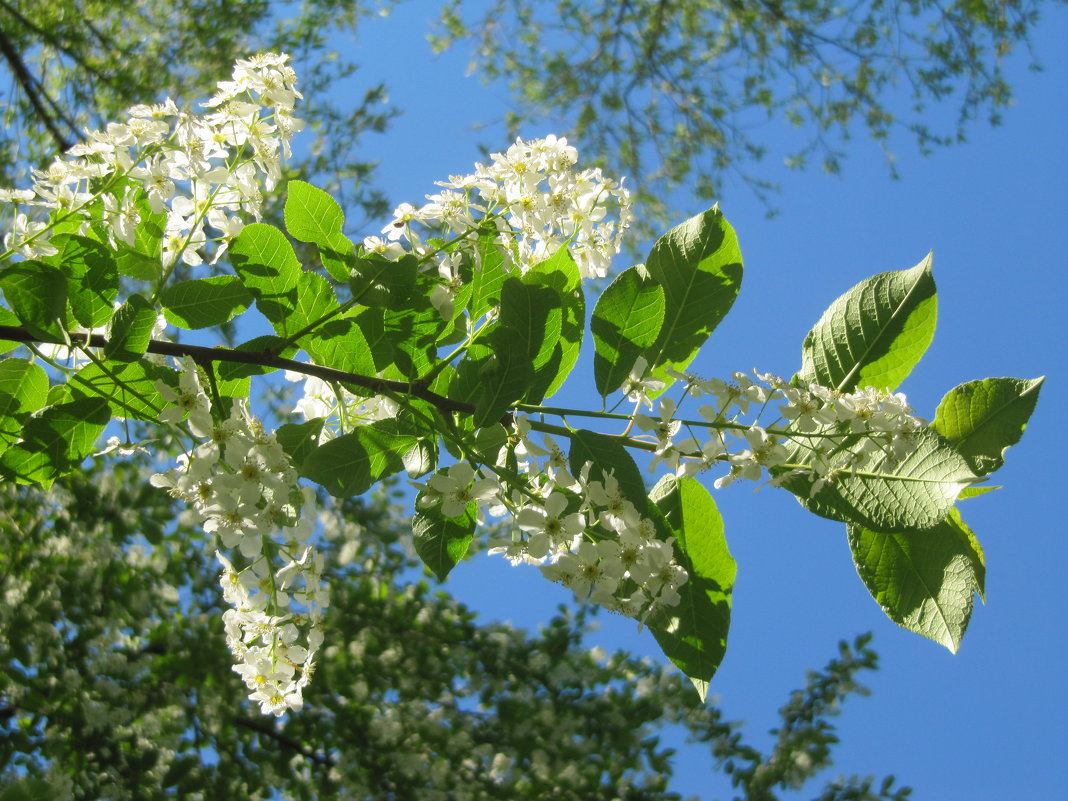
(982, 419)
(310, 300)
(421, 458)
(340, 344)
(699, 266)
(352, 463)
(299, 440)
(205, 302)
(923, 580)
(487, 276)
(560, 274)
(129, 387)
(626, 321)
(55, 441)
(875, 333)
(313, 216)
(25, 383)
(23, 390)
(37, 293)
(264, 260)
(130, 329)
(442, 542)
(92, 278)
(693, 634)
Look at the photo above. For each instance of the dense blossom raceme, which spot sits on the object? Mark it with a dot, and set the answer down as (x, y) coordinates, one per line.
(198, 172)
(535, 202)
(243, 488)
(818, 432)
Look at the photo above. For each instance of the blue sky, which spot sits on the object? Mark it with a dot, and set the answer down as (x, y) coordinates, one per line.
(989, 722)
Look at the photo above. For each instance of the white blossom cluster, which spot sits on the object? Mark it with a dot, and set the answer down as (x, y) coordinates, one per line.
(202, 171)
(338, 408)
(244, 490)
(818, 433)
(583, 533)
(538, 204)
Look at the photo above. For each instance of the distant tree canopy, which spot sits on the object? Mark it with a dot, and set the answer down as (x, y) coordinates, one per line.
(75, 64)
(669, 92)
(115, 683)
(672, 92)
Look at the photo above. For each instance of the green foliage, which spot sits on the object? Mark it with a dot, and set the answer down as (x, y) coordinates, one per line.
(981, 419)
(694, 634)
(626, 322)
(923, 580)
(698, 264)
(875, 333)
(204, 302)
(130, 633)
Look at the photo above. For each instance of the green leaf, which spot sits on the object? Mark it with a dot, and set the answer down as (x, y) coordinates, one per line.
(352, 463)
(626, 321)
(923, 580)
(313, 216)
(699, 266)
(693, 634)
(377, 281)
(23, 390)
(55, 441)
(982, 419)
(92, 278)
(915, 494)
(142, 260)
(229, 371)
(442, 542)
(37, 293)
(875, 333)
(487, 276)
(299, 440)
(341, 344)
(25, 383)
(264, 260)
(128, 387)
(494, 376)
(205, 302)
(532, 315)
(421, 458)
(130, 329)
(560, 274)
(309, 301)
(412, 340)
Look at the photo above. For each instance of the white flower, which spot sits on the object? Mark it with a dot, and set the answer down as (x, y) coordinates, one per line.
(457, 488)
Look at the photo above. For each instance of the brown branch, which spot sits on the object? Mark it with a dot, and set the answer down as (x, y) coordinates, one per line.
(263, 358)
(284, 740)
(27, 82)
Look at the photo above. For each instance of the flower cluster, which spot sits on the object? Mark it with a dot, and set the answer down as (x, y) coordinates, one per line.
(818, 433)
(243, 488)
(196, 171)
(536, 203)
(582, 532)
(338, 408)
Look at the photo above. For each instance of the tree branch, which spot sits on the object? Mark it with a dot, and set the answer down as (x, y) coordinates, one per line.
(205, 355)
(27, 82)
(284, 740)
